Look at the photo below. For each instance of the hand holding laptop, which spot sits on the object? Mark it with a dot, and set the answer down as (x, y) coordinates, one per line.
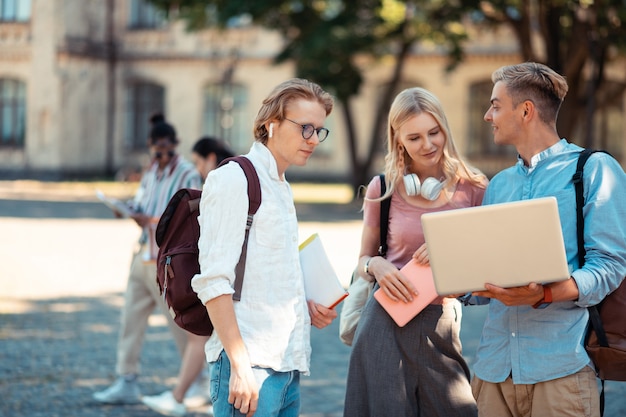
(513, 296)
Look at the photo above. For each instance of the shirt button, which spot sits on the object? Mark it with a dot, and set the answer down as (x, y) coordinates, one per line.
(513, 334)
(294, 239)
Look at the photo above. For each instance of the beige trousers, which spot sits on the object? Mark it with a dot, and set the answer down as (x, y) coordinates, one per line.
(575, 395)
(141, 298)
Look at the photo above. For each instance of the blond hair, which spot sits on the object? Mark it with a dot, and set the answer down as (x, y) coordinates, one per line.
(274, 107)
(537, 83)
(408, 104)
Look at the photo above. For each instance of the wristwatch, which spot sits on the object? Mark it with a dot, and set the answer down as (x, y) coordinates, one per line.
(546, 300)
(366, 267)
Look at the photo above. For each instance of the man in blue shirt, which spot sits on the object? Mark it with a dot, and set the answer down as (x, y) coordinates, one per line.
(531, 360)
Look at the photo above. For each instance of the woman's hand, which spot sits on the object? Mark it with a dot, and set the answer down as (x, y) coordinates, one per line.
(421, 255)
(320, 315)
(390, 279)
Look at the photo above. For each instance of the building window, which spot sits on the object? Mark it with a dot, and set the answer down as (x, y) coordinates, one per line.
(143, 99)
(14, 10)
(144, 15)
(12, 113)
(480, 139)
(225, 115)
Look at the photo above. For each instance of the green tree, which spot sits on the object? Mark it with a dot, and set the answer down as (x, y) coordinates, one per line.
(575, 38)
(325, 37)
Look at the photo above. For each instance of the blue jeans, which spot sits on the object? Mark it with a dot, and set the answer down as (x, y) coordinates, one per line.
(279, 393)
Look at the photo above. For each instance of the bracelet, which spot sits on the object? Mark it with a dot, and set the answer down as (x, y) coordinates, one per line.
(366, 268)
(546, 300)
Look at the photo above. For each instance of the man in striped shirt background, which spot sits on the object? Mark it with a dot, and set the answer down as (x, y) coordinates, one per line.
(167, 173)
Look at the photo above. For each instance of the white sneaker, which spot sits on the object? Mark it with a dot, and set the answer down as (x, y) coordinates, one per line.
(124, 390)
(166, 404)
(198, 393)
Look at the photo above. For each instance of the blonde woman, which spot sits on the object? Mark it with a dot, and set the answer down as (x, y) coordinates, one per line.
(418, 369)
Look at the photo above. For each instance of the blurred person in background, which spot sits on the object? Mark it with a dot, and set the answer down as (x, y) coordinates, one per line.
(207, 154)
(167, 173)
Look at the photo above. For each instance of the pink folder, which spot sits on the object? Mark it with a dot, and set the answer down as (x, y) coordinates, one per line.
(422, 278)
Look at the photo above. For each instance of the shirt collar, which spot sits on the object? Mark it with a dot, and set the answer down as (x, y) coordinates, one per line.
(169, 168)
(261, 153)
(557, 148)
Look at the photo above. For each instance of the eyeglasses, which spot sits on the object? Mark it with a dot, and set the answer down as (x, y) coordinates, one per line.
(159, 154)
(307, 131)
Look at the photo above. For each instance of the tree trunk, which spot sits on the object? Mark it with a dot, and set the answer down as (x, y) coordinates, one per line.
(355, 167)
(363, 172)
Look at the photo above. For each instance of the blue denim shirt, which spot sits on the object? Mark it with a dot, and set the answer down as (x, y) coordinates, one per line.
(535, 345)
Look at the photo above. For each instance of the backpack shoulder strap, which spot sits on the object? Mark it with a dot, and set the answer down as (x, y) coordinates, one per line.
(595, 322)
(254, 202)
(577, 179)
(254, 187)
(384, 217)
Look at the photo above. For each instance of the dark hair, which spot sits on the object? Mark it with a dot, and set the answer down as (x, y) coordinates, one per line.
(207, 145)
(161, 129)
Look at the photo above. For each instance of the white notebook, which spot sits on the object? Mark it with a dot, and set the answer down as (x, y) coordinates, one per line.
(507, 244)
(321, 283)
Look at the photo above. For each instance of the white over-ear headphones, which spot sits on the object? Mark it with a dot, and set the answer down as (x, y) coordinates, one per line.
(271, 129)
(430, 189)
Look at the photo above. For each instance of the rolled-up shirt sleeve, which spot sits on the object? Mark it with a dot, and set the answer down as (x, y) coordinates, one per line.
(605, 230)
(222, 219)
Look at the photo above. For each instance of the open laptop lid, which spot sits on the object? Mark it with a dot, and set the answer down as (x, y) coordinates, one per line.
(507, 244)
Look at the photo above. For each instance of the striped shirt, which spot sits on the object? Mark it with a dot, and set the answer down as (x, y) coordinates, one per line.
(158, 186)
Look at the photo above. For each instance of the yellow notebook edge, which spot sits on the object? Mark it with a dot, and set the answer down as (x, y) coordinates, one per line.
(306, 242)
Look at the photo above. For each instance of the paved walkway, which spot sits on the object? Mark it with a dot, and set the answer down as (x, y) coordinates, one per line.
(64, 264)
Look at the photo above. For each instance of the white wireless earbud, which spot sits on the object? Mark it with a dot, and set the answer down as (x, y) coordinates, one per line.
(271, 129)
(430, 189)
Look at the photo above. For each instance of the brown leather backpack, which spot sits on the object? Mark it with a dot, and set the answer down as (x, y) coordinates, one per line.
(177, 236)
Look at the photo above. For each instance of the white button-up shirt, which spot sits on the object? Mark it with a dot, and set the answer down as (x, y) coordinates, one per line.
(272, 315)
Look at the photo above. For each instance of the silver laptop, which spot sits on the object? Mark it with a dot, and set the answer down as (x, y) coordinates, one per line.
(507, 244)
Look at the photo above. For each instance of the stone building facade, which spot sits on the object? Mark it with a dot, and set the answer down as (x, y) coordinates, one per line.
(80, 78)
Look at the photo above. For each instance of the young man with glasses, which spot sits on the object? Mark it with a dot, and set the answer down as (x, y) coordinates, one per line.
(261, 344)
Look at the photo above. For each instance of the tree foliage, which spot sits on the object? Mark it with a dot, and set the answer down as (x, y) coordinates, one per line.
(576, 39)
(324, 38)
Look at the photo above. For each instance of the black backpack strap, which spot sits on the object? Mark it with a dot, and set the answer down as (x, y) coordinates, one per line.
(595, 323)
(577, 179)
(384, 217)
(580, 201)
(254, 202)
